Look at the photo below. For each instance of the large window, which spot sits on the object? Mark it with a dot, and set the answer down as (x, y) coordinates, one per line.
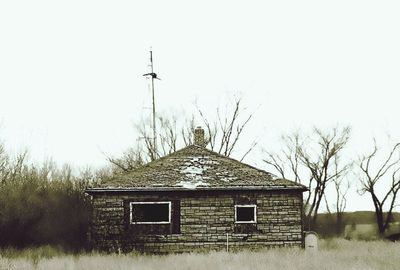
(246, 213)
(150, 212)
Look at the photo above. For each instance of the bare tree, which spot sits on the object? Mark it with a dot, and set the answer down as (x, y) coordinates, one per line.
(341, 186)
(223, 135)
(226, 130)
(287, 162)
(310, 160)
(147, 139)
(4, 163)
(373, 180)
(187, 132)
(131, 159)
(145, 150)
(168, 137)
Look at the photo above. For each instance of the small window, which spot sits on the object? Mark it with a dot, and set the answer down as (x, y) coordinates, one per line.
(246, 213)
(150, 212)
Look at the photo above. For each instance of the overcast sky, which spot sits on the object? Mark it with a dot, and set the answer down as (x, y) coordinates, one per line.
(71, 79)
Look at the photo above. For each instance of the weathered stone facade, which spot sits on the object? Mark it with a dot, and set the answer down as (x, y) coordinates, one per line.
(200, 220)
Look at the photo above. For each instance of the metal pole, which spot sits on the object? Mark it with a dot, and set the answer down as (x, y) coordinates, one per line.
(154, 105)
(153, 76)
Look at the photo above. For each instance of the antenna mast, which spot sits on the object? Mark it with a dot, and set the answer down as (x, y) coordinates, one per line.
(153, 76)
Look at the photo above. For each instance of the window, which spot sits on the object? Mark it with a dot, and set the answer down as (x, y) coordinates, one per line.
(246, 213)
(150, 212)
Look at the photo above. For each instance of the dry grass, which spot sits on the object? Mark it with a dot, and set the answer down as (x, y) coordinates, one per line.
(333, 254)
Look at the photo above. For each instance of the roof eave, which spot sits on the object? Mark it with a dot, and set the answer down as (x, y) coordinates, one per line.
(237, 188)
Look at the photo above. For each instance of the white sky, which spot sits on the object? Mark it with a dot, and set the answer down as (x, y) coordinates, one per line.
(71, 80)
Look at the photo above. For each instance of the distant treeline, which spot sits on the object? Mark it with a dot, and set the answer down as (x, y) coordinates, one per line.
(43, 204)
(326, 225)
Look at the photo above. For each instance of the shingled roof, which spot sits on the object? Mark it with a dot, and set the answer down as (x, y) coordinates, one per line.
(196, 168)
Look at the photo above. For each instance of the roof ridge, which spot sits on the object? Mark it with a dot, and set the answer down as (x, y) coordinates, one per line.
(207, 150)
(196, 166)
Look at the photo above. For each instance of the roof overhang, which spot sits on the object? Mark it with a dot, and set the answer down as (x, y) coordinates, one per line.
(157, 189)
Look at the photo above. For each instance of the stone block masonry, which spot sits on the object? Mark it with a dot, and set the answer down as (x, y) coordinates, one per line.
(200, 220)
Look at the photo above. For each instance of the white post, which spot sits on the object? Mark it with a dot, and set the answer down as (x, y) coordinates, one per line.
(227, 242)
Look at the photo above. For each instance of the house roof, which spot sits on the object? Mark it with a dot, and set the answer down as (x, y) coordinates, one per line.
(195, 168)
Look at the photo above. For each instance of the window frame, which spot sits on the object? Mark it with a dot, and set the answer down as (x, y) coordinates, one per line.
(246, 205)
(150, 222)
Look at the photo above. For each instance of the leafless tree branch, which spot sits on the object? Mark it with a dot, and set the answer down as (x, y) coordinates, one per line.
(372, 181)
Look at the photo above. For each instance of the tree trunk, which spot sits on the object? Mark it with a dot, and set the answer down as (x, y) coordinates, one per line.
(339, 223)
(379, 221)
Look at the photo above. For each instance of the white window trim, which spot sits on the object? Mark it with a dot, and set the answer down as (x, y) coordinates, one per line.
(246, 205)
(150, 222)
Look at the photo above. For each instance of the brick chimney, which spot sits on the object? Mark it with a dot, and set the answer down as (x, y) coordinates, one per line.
(199, 136)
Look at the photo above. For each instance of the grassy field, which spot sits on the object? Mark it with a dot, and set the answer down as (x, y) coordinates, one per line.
(333, 254)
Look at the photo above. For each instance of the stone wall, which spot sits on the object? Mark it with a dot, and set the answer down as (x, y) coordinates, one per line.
(200, 220)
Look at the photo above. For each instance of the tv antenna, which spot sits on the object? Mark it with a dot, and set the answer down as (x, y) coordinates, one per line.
(153, 76)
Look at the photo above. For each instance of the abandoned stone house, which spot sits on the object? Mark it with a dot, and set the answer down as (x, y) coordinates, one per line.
(193, 199)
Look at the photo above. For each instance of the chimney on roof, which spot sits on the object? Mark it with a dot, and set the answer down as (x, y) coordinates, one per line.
(199, 136)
